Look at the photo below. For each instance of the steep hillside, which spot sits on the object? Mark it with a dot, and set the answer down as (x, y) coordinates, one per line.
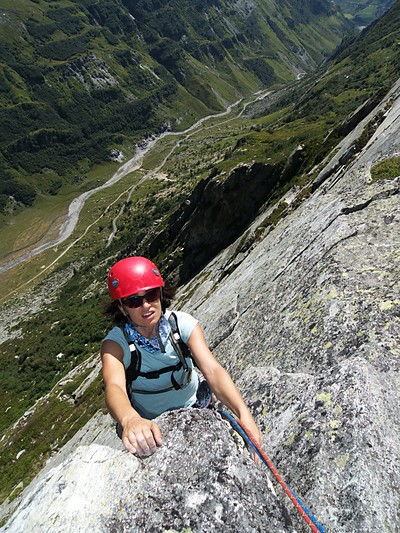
(57, 325)
(80, 78)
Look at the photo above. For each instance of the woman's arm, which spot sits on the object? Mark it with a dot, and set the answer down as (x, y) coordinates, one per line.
(220, 381)
(139, 435)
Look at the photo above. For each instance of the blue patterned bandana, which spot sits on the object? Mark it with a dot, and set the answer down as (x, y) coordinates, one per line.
(150, 345)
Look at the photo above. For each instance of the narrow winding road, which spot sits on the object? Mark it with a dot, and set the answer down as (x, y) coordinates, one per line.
(135, 163)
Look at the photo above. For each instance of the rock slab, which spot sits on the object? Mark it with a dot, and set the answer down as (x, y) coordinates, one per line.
(201, 479)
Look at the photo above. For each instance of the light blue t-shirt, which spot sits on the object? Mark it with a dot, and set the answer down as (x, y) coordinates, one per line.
(151, 405)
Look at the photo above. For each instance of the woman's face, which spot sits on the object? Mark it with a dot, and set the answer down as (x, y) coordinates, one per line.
(145, 314)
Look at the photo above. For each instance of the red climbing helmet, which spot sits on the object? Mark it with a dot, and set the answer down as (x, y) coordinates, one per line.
(132, 275)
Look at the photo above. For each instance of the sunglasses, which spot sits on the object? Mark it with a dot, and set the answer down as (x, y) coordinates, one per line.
(134, 301)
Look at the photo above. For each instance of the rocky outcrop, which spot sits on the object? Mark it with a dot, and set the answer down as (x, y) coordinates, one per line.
(91, 72)
(217, 212)
(199, 480)
(222, 212)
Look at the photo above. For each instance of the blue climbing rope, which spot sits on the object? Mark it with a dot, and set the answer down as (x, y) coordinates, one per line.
(301, 508)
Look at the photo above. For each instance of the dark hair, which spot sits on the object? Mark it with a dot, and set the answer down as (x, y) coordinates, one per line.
(112, 310)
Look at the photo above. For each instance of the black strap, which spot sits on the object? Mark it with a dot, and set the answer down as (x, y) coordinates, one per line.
(181, 349)
(155, 374)
(131, 373)
(184, 349)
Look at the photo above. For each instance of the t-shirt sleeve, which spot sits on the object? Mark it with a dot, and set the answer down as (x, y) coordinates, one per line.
(186, 324)
(117, 335)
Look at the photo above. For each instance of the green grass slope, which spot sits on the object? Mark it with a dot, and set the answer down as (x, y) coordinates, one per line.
(364, 12)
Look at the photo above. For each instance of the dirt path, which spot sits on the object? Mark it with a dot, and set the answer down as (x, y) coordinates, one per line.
(135, 163)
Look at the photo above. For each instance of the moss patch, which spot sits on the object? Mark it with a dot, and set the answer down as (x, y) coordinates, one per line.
(386, 169)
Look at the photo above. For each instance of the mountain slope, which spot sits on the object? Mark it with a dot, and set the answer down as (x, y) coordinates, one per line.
(81, 78)
(363, 12)
(44, 345)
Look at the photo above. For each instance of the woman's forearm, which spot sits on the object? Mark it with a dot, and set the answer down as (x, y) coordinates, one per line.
(226, 391)
(118, 404)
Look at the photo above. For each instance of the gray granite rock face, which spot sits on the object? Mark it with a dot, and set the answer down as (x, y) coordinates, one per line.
(201, 479)
(308, 321)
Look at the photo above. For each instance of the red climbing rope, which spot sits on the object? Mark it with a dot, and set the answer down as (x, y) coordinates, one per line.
(301, 508)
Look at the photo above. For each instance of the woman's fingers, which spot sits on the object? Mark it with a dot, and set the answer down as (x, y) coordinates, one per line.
(146, 443)
(156, 434)
(129, 442)
(143, 438)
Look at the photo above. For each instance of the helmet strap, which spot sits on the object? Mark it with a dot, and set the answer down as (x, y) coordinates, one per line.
(122, 309)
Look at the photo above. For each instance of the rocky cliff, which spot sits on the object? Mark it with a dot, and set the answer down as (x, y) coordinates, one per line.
(308, 323)
(305, 315)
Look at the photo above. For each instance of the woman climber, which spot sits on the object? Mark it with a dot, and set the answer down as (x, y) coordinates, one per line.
(147, 369)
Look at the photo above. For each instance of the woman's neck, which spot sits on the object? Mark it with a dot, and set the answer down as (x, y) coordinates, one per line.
(147, 332)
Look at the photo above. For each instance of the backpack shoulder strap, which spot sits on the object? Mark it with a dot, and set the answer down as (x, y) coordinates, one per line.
(132, 372)
(179, 345)
(133, 369)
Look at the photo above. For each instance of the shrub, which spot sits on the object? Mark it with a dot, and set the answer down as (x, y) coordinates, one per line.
(261, 69)
(22, 192)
